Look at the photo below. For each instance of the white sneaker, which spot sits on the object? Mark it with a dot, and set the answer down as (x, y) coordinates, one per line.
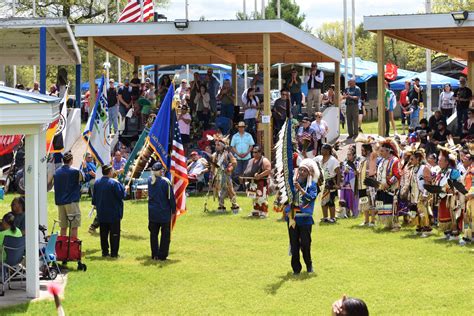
(462, 242)
(371, 224)
(364, 224)
(453, 238)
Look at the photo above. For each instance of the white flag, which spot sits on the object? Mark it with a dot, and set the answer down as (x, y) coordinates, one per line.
(97, 130)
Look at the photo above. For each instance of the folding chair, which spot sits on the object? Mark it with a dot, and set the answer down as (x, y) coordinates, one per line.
(14, 247)
(48, 255)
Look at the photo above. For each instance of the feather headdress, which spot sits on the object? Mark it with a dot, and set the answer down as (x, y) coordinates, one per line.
(392, 145)
(284, 164)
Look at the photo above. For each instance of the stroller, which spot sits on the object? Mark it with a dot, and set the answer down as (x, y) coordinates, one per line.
(49, 268)
(70, 248)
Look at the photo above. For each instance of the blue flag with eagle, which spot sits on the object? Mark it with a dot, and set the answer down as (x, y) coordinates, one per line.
(159, 137)
(97, 130)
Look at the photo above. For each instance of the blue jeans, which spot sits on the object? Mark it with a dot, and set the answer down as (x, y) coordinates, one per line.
(113, 117)
(462, 117)
(415, 119)
(296, 99)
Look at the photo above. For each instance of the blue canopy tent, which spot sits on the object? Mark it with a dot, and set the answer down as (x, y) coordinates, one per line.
(437, 81)
(85, 85)
(364, 71)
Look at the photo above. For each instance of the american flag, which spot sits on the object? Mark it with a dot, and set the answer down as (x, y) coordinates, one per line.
(179, 172)
(132, 11)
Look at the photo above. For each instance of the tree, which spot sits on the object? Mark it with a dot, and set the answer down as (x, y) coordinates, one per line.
(404, 55)
(443, 6)
(290, 12)
(76, 12)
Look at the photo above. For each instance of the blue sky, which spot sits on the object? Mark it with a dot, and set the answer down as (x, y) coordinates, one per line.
(317, 11)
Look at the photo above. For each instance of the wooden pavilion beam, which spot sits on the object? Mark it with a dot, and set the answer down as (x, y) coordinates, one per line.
(427, 43)
(267, 127)
(90, 58)
(113, 48)
(380, 82)
(211, 48)
(470, 67)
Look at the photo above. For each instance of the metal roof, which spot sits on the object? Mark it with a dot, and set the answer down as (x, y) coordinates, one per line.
(20, 108)
(207, 42)
(438, 32)
(17, 96)
(19, 41)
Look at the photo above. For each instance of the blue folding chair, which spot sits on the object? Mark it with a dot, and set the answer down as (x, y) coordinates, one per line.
(48, 256)
(14, 248)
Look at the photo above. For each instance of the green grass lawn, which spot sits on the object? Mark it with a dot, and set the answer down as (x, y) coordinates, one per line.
(372, 127)
(230, 264)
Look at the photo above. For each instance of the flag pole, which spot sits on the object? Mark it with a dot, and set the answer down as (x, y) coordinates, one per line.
(107, 53)
(119, 62)
(142, 20)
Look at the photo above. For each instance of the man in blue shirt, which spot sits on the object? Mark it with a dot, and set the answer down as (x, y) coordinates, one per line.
(108, 200)
(67, 192)
(89, 169)
(161, 209)
(300, 215)
(242, 144)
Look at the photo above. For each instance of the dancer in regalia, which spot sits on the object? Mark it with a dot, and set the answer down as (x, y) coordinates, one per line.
(223, 163)
(419, 198)
(300, 215)
(446, 199)
(388, 175)
(349, 195)
(366, 193)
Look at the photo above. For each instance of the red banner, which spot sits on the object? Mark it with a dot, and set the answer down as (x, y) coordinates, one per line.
(8, 142)
(391, 71)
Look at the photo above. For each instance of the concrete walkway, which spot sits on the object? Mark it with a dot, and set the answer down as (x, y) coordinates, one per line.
(18, 295)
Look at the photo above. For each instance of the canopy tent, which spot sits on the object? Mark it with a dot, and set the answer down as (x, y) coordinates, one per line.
(210, 42)
(438, 32)
(29, 114)
(437, 81)
(365, 69)
(39, 41)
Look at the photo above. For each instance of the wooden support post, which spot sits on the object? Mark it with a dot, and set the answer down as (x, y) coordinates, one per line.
(90, 55)
(267, 128)
(234, 83)
(136, 62)
(470, 68)
(78, 85)
(380, 83)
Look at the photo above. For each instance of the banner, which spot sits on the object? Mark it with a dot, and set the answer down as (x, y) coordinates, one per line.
(97, 131)
(8, 143)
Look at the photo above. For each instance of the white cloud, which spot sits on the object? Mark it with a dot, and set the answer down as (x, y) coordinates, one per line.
(317, 11)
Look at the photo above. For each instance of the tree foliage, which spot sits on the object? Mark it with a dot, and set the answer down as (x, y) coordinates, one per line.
(289, 11)
(443, 6)
(402, 54)
(76, 12)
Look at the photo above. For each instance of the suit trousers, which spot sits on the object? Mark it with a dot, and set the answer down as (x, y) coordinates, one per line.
(160, 249)
(110, 231)
(352, 117)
